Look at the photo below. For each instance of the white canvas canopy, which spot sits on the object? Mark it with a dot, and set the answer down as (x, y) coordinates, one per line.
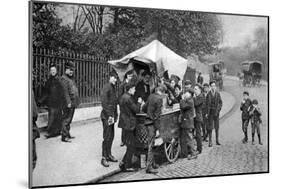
(154, 52)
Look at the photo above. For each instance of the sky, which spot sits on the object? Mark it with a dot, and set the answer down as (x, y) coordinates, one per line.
(237, 29)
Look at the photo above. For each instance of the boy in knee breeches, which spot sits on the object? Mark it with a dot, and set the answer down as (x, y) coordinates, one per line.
(245, 105)
(255, 114)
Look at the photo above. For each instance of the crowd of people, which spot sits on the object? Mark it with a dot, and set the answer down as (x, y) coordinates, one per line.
(200, 105)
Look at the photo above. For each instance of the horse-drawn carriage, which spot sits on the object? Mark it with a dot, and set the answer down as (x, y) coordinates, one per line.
(216, 73)
(251, 73)
(158, 59)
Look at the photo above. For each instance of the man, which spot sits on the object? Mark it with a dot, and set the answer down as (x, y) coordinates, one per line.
(71, 101)
(153, 107)
(178, 93)
(35, 130)
(53, 97)
(206, 88)
(143, 88)
(187, 125)
(200, 79)
(198, 120)
(122, 90)
(109, 115)
(187, 85)
(214, 105)
(244, 107)
(128, 121)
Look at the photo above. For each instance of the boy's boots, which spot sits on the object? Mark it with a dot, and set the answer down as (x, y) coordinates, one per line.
(259, 139)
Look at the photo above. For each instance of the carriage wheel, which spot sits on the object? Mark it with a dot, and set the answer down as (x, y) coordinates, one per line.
(172, 150)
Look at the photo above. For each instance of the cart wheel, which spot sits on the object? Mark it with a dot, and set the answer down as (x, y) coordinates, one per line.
(172, 150)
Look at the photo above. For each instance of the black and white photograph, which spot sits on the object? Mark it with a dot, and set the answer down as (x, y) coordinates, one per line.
(127, 94)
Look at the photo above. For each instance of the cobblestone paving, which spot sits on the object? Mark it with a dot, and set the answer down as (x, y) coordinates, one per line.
(232, 157)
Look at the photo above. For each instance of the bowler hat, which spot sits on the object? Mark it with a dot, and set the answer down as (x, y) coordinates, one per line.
(70, 65)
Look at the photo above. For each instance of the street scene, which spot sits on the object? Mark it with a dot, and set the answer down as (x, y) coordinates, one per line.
(128, 94)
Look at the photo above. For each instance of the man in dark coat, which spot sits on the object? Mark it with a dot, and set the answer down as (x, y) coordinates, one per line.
(199, 102)
(187, 125)
(143, 88)
(153, 108)
(214, 105)
(128, 120)
(244, 107)
(53, 98)
(200, 79)
(109, 115)
(121, 91)
(206, 88)
(35, 130)
(71, 101)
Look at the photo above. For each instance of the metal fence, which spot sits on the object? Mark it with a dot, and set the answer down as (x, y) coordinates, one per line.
(91, 73)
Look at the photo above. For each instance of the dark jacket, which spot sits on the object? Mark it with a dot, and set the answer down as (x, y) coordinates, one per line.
(122, 90)
(187, 111)
(199, 102)
(53, 92)
(255, 114)
(244, 107)
(128, 111)
(109, 102)
(216, 107)
(70, 91)
(142, 90)
(200, 80)
(153, 108)
(204, 107)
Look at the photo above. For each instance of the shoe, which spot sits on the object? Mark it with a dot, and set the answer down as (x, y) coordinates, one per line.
(71, 137)
(122, 144)
(64, 139)
(104, 162)
(190, 157)
(253, 143)
(244, 141)
(260, 143)
(217, 143)
(151, 171)
(210, 144)
(111, 158)
(130, 170)
(199, 151)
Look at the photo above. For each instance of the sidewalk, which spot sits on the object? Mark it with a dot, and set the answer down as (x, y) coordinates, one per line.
(79, 162)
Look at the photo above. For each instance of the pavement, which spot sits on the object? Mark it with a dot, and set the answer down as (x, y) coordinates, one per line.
(232, 157)
(78, 162)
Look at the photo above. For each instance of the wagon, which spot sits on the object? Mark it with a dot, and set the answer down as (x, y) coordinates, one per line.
(158, 59)
(216, 71)
(169, 133)
(252, 73)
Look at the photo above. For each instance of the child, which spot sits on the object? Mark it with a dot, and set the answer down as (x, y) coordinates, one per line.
(245, 105)
(255, 114)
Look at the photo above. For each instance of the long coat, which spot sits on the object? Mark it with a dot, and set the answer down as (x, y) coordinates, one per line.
(153, 108)
(121, 90)
(70, 91)
(128, 111)
(53, 92)
(217, 103)
(199, 102)
(109, 102)
(244, 107)
(187, 111)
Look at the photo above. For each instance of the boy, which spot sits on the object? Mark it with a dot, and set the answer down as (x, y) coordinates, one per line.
(245, 105)
(255, 114)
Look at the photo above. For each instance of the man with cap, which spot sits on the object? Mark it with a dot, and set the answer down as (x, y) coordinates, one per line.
(128, 121)
(244, 107)
(214, 105)
(206, 89)
(153, 108)
(187, 125)
(122, 90)
(143, 88)
(71, 101)
(187, 85)
(255, 114)
(199, 102)
(109, 101)
(53, 98)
